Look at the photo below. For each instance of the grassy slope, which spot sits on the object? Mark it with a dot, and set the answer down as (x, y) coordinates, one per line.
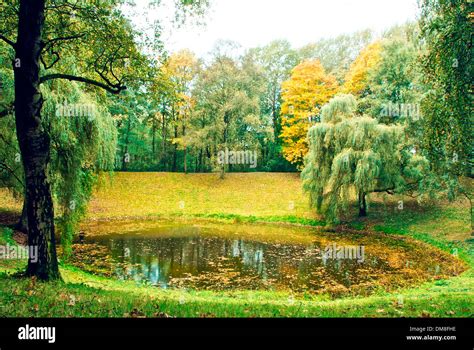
(150, 194)
(244, 197)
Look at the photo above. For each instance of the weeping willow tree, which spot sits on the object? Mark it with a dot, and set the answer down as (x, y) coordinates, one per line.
(11, 170)
(84, 142)
(351, 154)
(82, 145)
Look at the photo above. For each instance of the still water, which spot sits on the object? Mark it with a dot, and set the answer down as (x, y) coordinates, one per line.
(189, 258)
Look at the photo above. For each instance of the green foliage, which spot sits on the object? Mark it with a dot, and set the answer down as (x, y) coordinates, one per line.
(254, 219)
(6, 236)
(227, 109)
(82, 146)
(393, 88)
(11, 171)
(448, 122)
(448, 71)
(351, 154)
(336, 54)
(274, 64)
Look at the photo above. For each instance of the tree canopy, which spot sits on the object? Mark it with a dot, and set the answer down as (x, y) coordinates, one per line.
(307, 90)
(355, 154)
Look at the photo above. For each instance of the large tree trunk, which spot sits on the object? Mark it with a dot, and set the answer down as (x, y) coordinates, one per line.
(34, 141)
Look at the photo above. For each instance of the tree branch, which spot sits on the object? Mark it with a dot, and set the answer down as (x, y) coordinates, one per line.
(56, 60)
(9, 42)
(12, 172)
(7, 111)
(113, 89)
(72, 37)
(391, 190)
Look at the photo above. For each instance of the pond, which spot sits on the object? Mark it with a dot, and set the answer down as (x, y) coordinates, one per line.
(239, 257)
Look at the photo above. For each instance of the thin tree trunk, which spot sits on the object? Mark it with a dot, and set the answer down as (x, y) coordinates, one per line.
(222, 172)
(196, 163)
(163, 141)
(208, 155)
(34, 141)
(276, 128)
(126, 156)
(201, 159)
(185, 161)
(153, 139)
(175, 151)
(362, 204)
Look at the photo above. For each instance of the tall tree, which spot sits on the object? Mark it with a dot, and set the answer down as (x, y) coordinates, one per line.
(181, 69)
(352, 154)
(273, 64)
(356, 80)
(227, 110)
(276, 61)
(446, 27)
(303, 95)
(336, 54)
(388, 83)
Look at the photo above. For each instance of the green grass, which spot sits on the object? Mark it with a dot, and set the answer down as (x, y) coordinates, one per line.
(83, 295)
(239, 199)
(6, 237)
(290, 219)
(168, 194)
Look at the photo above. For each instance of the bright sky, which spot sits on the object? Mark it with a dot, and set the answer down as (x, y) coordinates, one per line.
(257, 22)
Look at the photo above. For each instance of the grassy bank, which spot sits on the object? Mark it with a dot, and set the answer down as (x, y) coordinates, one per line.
(249, 198)
(83, 295)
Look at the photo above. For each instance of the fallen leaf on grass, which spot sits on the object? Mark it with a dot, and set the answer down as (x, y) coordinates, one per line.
(72, 300)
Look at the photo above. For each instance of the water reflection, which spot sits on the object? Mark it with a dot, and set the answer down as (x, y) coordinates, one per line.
(201, 262)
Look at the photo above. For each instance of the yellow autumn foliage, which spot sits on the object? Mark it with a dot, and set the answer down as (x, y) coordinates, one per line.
(356, 79)
(303, 95)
